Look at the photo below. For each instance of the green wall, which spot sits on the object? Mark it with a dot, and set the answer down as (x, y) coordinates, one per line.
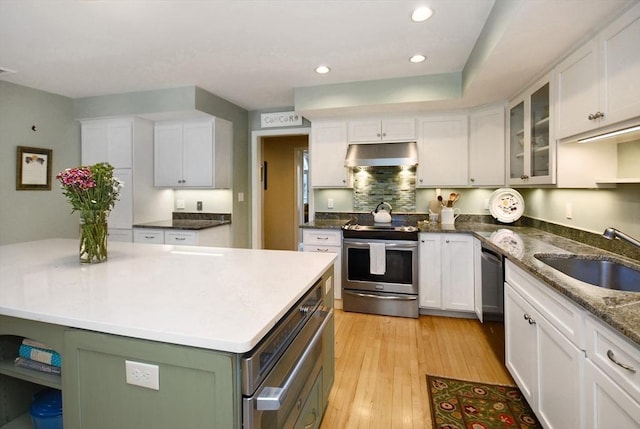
(35, 215)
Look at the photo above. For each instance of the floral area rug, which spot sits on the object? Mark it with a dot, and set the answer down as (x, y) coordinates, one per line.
(459, 404)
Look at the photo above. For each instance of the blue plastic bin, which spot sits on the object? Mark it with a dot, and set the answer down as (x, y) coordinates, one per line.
(46, 409)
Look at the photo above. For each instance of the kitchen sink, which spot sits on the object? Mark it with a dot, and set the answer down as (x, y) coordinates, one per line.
(598, 271)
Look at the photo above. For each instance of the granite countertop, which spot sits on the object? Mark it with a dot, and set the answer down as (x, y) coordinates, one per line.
(192, 224)
(214, 298)
(620, 310)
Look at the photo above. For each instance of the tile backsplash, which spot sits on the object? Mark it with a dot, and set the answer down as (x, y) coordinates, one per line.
(394, 185)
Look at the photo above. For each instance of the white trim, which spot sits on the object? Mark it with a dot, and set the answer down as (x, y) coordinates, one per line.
(256, 190)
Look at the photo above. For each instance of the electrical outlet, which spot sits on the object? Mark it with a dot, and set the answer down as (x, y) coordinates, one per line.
(199, 206)
(180, 204)
(569, 210)
(329, 203)
(142, 374)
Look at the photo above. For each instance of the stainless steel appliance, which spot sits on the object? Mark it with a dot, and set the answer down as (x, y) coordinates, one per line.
(492, 266)
(279, 373)
(391, 290)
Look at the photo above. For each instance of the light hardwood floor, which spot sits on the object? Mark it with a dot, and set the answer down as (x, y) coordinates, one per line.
(382, 362)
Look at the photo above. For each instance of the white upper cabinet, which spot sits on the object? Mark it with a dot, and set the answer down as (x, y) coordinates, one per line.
(531, 148)
(599, 84)
(443, 151)
(327, 152)
(109, 140)
(385, 130)
(486, 147)
(193, 154)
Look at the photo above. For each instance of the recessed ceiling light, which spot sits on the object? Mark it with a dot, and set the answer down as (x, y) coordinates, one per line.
(417, 58)
(322, 69)
(421, 13)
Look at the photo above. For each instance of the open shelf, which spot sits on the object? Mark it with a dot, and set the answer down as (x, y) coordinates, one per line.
(21, 422)
(7, 367)
(543, 121)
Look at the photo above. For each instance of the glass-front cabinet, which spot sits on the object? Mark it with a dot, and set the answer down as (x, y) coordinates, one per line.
(532, 146)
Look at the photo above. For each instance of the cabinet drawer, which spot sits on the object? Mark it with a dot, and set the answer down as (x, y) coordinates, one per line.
(321, 249)
(145, 235)
(117, 234)
(322, 237)
(184, 238)
(562, 313)
(604, 346)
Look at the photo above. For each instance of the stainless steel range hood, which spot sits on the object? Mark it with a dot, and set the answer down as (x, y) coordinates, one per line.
(382, 154)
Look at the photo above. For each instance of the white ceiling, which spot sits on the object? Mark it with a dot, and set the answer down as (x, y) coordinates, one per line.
(255, 52)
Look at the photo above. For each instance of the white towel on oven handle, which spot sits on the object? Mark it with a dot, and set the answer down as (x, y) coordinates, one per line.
(377, 258)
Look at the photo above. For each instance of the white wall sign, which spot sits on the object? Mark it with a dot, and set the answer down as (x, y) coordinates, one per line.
(280, 119)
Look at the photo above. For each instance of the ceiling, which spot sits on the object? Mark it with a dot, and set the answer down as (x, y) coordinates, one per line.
(254, 53)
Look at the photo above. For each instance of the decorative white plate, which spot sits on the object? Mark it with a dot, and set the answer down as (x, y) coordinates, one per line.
(508, 241)
(506, 205)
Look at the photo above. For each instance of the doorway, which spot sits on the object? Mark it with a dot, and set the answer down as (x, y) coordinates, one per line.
(284, 191)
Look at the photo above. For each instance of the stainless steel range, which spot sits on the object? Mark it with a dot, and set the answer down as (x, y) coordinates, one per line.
(380, 269)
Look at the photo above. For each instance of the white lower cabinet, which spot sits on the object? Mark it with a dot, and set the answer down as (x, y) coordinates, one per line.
(218, 236)
(326, 241)
(446, 272)
(544, 363)
(607, 405)
(612, 379)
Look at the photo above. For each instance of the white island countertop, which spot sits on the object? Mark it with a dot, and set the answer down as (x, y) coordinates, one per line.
(215, 298)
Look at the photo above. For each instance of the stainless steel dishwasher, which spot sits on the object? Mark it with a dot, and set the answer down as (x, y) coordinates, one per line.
(493, 299)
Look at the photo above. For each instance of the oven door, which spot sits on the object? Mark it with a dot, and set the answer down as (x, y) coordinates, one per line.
(277, 402)
(400, 276)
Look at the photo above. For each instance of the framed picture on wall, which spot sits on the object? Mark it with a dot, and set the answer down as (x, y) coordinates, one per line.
(33, 169)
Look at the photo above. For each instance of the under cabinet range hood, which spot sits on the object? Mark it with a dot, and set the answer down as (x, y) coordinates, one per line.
(382, 154)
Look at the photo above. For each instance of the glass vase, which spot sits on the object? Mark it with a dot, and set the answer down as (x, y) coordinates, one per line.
(93, 237)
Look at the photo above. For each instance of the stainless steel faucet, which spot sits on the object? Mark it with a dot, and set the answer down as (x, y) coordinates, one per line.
(612, 233)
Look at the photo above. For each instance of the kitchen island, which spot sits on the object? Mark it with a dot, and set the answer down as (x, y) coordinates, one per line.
(191, 310)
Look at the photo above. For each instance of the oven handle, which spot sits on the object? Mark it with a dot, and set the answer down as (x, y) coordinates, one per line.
(409, 245)
(272, 398)
(389, 297)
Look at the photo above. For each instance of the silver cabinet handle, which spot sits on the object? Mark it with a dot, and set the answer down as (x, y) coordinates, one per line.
(613, 359)
(321, 250)
(313, 423)
(322, 238)
(529, 319)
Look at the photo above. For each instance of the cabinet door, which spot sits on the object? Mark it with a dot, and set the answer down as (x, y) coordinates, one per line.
(120, 143)
(327, 154)
(606, 404)
(337, 264)
(402, 129)
(521, 340)
(167, 146)
(365, 131)
(517, 141)
(620, 68)
(197, 155)
(94, 142)
(122, 214)
(430, 271)
(107, 141)
(559, 377)
(442, 151)
(457, 272)
(577, 91)
(486, 147)
(97, 396)
(477, 278)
